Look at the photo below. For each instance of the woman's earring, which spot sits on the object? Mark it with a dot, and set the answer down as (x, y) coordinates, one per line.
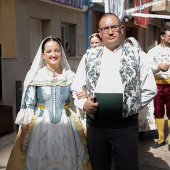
(43, 61)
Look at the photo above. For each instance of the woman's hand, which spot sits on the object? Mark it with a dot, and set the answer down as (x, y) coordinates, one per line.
(81, 94)
(24, 130)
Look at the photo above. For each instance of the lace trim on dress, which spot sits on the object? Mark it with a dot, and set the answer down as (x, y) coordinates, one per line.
(43, 79)
(24, 116)
(50, 83)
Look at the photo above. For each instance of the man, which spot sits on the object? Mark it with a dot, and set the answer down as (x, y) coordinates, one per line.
(159, 57)
(114, 85)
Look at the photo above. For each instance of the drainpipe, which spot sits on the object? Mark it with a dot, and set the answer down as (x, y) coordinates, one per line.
(0, 76)
(87, 24)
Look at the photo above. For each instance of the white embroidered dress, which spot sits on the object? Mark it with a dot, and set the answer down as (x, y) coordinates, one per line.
(52, 145)
(56, 141)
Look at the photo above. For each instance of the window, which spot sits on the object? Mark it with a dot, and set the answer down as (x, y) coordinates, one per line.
(68, 39)
(0, 76)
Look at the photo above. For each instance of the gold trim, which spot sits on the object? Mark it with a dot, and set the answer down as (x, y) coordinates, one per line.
(17, 157)
(86, 162)
(41, 106)
(44, 107)
(162, 81)
(66, 106)
(49, 83)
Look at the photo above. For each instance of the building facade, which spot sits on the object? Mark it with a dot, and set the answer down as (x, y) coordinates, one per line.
(23, 25)
(147, 37)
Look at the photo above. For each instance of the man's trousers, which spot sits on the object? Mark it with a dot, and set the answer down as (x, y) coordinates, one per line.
(123, 141)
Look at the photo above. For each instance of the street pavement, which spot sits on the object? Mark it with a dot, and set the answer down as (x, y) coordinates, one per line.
(153, 159)
(149, 158)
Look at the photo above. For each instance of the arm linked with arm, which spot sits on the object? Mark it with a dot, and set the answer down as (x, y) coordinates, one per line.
(78, 83)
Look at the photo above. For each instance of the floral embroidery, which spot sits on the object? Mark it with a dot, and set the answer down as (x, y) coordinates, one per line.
(129, 72)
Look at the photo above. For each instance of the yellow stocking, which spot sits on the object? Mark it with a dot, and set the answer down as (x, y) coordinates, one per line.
(160, 125)
(168, 131)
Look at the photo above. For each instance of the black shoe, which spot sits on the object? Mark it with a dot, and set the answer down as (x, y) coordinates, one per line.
(157, 145)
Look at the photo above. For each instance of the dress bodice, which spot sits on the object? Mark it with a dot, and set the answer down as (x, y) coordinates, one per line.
(53, 98)
(46, 95)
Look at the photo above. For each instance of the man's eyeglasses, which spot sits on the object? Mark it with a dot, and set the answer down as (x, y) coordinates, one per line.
(114, 28)
(167, 36)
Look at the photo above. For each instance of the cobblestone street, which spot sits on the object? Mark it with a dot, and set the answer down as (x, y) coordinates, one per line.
(149, 159)
(153, 159)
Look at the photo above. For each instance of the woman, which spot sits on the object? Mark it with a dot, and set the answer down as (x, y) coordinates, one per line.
(131, 41)
(146, 117)
(95, 40)
(45, 116)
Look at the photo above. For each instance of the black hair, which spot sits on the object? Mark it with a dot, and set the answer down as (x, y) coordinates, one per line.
(50, 39)
(59, 39)
(128, 41)
(163, 31)
(107, 14)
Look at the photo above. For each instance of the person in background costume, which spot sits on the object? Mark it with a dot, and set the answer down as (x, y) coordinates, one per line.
(95, 40)
(146, 118)
(118, 85)
(50, 137)
(159, 58)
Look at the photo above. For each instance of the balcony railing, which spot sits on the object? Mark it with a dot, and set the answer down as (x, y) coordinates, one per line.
(102, 2)
(163, 8)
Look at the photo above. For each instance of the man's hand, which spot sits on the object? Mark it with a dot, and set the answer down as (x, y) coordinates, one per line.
(89, 106)
(163, 66)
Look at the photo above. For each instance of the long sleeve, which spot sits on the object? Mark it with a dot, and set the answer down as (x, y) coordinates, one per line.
(26, 112)
(78, 82)
(150, 56)
(148, 85)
